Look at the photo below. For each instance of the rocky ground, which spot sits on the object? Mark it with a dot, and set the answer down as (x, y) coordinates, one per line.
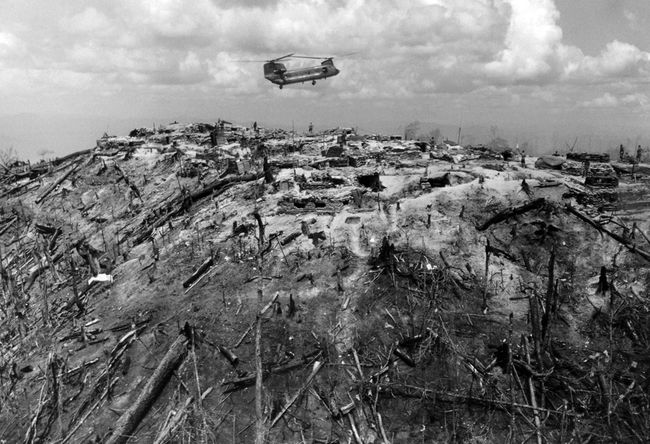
(426, 294)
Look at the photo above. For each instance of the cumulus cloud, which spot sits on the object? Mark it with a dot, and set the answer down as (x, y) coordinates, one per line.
(531, 43)
(606, 100)
(88, 21)
(618, 59)
(609, 100)
(404, 48)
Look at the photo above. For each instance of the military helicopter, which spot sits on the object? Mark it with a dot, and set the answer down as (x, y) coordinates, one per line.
(277, 73)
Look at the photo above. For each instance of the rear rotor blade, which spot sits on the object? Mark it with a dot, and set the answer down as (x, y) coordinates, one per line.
(326, 58)
(309, 57)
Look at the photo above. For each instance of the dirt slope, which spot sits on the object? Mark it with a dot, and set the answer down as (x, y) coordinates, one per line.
(387, 288)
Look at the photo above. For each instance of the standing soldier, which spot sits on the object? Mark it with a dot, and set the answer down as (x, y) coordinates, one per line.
(639, 150)
(523, 159)
(621, 153)
(311, 128)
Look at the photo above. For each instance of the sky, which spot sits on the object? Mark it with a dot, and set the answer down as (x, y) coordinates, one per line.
(548, 73)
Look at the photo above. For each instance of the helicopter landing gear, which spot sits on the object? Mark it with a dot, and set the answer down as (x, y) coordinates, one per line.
(313, 82)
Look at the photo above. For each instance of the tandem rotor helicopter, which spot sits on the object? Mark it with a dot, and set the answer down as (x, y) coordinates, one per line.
(278, 73)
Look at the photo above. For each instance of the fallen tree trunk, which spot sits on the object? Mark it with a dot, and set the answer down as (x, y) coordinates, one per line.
(247, 381)
(55, 162)
(34, 273)
(128, 182)
(176, 206)
(512, 212)
(499, 252)
(632, 247)
(219, 183)
(8, 225)
(410, 391)
(130, 420)
(290, 238)
(205, 266)
(105, 377)
(584, 218)
(60, 160)
(52, 187)
(317, 366)
(166, 434)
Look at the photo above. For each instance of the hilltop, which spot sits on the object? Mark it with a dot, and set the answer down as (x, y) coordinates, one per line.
(380, 290)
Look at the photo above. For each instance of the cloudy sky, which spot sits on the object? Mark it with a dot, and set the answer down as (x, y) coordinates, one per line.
(542, 71)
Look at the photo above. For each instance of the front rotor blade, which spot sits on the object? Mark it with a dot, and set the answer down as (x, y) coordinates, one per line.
(283, 57)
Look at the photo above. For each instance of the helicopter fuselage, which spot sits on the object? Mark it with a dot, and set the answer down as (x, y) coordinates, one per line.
(277, 73)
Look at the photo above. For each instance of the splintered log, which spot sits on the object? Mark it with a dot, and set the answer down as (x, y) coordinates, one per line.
(636, 228)
(550, 297)
(205, 266)
(129, 421)
(60, 160)
(174, 422)
(260, 429)
(34, 273)
(317, 366)
(23, 187)
(404, 357)
(176, 207)
(130, 184)
(260, 226)
(620, 239)
(512, 212)
(268, 174)
(247, 381)
(220, 184)
(229, 355)
(603, 286)
(40, 172)
(584, 218)
(411, 391)
(52, 187)
(290, 238)
(8, 225)
(63, 177)
(499, 252)
(105, 377)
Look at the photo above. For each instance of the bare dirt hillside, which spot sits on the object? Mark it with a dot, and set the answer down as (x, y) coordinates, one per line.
(196, 283)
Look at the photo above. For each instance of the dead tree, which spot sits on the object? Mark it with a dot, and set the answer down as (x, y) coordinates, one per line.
(268, 174)
(620, 239)
(603, 286)
(129, 421)
(88, 253)
(130, 184)
(260, 226)
(260, 431)
(52, 187)
(512, 212)
(550, 296)
(317, 366)
(205, 266)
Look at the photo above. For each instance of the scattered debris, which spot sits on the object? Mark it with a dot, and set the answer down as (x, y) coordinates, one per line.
(404, 273)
